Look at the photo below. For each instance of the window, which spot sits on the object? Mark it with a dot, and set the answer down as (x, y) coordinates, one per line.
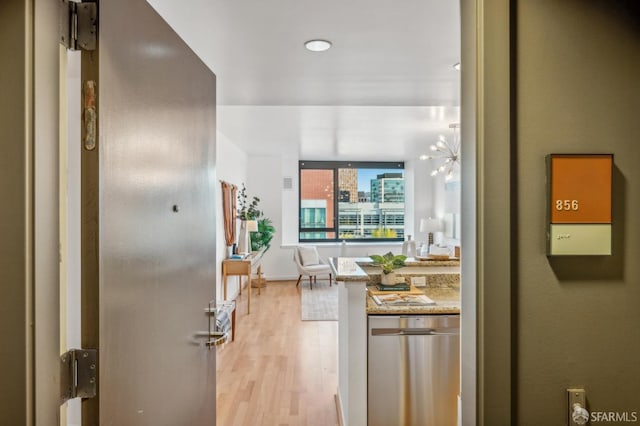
(360, 201)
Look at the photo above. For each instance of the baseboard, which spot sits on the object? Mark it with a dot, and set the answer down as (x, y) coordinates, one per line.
(292, 277)
(281, 277)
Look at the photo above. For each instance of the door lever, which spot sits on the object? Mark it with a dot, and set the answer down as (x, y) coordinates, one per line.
(219, 337)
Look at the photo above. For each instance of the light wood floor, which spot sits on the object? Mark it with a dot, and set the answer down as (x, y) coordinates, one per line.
(280, 370)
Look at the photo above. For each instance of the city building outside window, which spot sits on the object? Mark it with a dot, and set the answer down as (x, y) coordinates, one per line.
(361, 201)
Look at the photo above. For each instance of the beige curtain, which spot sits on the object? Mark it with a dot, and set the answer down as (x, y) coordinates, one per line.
(229, 211)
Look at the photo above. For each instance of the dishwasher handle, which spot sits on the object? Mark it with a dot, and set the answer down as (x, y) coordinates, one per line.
(415, 331)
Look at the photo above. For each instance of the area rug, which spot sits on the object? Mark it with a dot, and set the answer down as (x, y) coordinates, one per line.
(321, 303)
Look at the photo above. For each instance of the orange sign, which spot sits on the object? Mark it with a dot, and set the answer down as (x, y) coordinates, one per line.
(581, 188)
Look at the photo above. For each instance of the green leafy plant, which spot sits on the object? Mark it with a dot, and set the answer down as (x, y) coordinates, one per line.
(247, 210)
(388, 261)
(264, 235)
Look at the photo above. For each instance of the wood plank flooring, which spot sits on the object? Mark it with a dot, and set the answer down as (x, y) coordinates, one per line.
(280, 371)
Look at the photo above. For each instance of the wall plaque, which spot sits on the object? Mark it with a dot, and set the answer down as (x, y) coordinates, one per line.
(579, 204)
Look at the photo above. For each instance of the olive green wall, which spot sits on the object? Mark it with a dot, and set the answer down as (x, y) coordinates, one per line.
(13, 214)
(578, 319)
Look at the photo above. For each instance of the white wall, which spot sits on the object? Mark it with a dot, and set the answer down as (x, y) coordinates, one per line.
(265, 179)
(231, 166)
(263, 175)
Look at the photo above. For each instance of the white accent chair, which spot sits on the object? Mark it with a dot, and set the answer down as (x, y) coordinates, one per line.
(309, 264)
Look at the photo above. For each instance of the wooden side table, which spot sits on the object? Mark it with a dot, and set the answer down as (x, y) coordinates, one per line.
(260, 281)
(238, 267)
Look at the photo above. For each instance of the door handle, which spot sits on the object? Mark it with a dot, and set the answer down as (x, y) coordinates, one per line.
(219, 337)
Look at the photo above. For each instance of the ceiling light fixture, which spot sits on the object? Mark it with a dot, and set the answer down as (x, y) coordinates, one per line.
(456, 66)
(317, 45)
(447, 151)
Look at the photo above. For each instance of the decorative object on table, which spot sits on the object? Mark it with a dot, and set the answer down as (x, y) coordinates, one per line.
(389, 263)
(411, 289)
(430, 226)
(403, 299)
(308, 262)
(256, 231)
(246, 227)
(247, 210)
(449, 151)
(260, 233)
(409, 247)
(402, 286)
(438, 250)
(229, 215)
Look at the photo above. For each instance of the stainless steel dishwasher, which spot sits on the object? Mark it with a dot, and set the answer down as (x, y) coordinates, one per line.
(413, 370)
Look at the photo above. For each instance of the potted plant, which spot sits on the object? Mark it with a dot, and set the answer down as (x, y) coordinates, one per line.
(263, 236)
(248, 210)
(389, 263)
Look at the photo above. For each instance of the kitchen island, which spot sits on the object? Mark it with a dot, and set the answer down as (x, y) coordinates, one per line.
(442, 285)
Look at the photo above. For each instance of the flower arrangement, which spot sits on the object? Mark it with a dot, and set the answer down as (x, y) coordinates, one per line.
(247, 210)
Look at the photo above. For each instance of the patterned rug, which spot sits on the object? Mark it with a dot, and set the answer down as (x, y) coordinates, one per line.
(321, 303)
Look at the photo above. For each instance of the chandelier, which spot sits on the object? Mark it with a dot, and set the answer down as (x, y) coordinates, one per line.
(449, 151)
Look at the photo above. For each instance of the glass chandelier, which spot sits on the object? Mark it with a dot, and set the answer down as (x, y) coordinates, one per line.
(447, 151)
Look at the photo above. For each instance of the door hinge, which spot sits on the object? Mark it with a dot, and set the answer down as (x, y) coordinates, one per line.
(78, 24)
(78, 374)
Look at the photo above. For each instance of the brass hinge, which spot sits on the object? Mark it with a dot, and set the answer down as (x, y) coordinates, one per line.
(78, 374)
(78, 24)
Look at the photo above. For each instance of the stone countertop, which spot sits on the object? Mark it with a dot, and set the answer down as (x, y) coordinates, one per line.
(350, 268)
(443, 284)
(347, 269)
(411, 261)
(447, 302)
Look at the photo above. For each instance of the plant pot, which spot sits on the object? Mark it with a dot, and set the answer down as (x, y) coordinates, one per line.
(388, 279)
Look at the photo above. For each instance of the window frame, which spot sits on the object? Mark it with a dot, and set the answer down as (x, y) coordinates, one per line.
(335, 166)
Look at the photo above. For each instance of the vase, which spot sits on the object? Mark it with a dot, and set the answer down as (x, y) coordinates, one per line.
(409, 247)
(243, 238)
(388, 279)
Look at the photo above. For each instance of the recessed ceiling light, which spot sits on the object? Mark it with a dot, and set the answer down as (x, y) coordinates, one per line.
(317, 45)
(456, 66)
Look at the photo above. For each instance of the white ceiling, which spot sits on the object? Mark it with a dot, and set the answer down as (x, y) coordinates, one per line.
(390, 63)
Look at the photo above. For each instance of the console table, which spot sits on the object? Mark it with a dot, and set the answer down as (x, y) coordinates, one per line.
(242, 268)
